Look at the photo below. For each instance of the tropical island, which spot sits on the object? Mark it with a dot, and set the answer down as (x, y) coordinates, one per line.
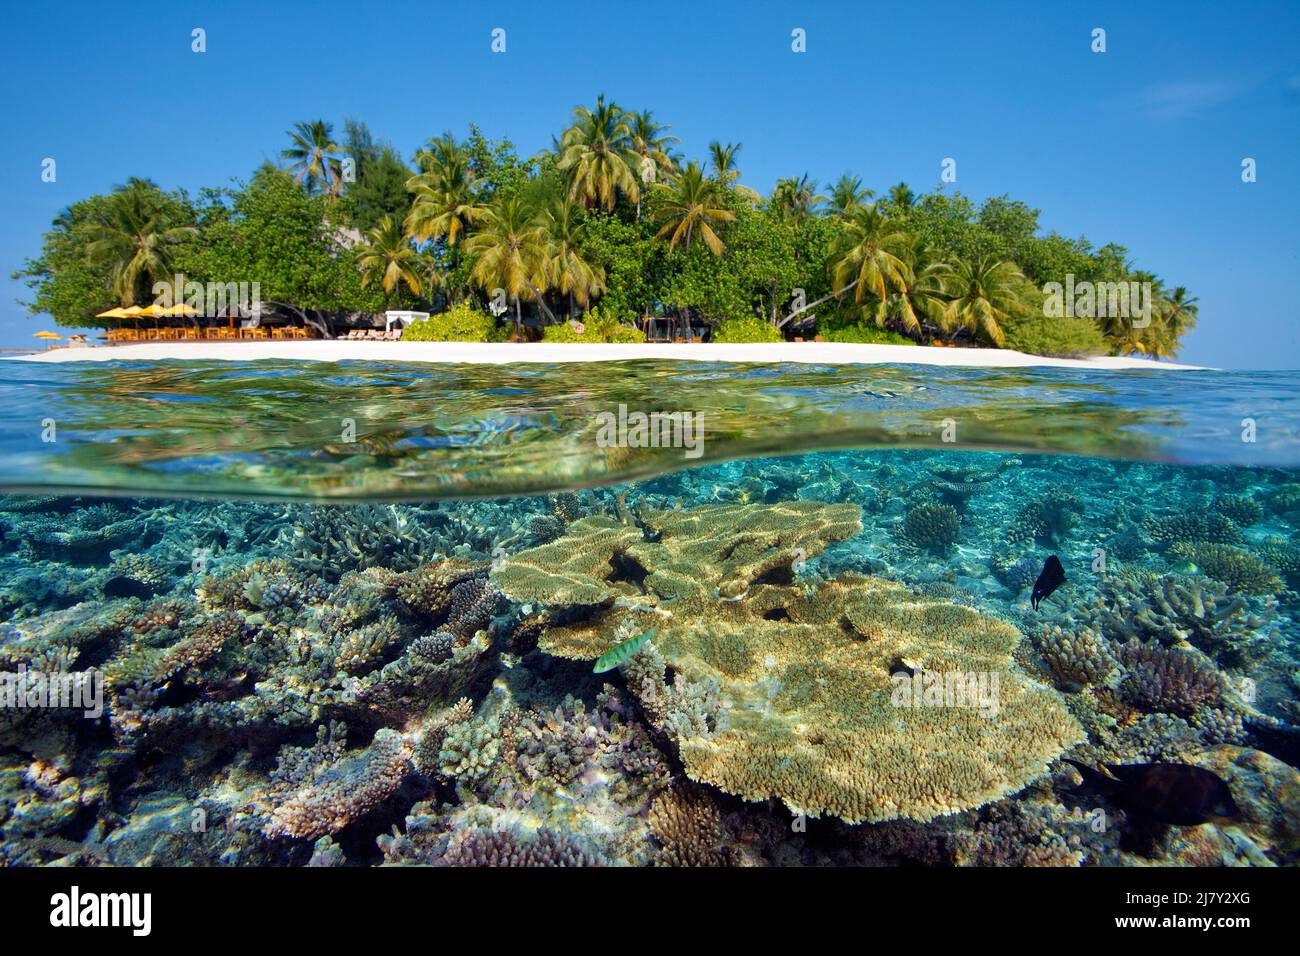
(609, 236)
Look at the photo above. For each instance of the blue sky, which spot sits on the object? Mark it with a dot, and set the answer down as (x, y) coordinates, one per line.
(1140, 145)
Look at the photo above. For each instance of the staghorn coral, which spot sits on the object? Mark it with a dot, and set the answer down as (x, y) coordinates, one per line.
(483, 847)
(1177, 609)
(931, 527)
(1175, 680)
(1079, 657)
(469, 749)
(1015, 573)
(688, 829)
(320, 789)
(811, 719)
(1241, 510)
(1239, 569)
(1047, 520)
(329, 541)
(1182, 528)
(427, 591)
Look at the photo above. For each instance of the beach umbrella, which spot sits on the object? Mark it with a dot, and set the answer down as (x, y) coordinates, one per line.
(115, 313)
(46, 335)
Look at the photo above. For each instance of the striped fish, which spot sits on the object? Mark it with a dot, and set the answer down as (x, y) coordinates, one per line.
(617, 655)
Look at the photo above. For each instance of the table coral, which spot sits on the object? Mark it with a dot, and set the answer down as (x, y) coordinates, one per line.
(804, 672)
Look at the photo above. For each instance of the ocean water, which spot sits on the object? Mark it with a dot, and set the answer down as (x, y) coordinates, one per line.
(308, 614)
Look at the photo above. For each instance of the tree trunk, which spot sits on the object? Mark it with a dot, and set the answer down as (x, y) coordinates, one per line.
(825, 298)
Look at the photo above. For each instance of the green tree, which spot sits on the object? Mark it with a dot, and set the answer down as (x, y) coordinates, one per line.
(388, 257)
(986, 291)
(570, 272)
(847, 193)
(596, 154)
(446, 203)
(691, 207)
(796, 199)
(872, 260)
(136, 239)
(313, 157)
(509, 251)
(289, 242)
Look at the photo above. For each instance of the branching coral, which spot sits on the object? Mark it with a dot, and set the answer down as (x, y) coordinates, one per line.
(932, 527)
(1178, 609)
(1171, 679)
(1239, 569)
(330, 541)
(1081, 656)
(321, 789)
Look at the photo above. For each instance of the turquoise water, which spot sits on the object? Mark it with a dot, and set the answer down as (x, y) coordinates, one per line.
(408, 677)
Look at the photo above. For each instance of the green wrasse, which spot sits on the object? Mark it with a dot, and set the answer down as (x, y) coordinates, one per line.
(617, 655)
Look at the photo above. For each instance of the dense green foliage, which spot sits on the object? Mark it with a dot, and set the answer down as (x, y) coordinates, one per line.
(597, 326)
(1064, 336)
(611, 216)
(867, 335)
(748, 329)
(461, 323)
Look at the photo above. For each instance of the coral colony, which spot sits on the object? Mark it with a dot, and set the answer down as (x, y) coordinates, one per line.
(823, 659)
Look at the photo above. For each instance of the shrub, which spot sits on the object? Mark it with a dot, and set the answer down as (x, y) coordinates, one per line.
(748, 329)
(1067, 336)
(461, 323)
(867, 335)
(597, 327)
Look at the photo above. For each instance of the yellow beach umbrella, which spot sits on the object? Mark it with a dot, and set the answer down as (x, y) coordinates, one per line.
(46, 335)
(115, 313)
(152, 312)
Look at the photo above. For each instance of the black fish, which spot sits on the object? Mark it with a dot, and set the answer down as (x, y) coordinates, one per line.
(1173, 794)
(1053, 577)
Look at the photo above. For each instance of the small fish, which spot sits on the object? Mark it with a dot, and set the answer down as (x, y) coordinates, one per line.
(1172, 794)
(1053, 577)
(617, 655)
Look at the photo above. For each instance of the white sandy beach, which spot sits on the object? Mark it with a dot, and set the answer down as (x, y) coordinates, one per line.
(818, 353)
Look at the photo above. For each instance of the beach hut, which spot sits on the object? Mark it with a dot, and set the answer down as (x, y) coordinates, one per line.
(402, 318)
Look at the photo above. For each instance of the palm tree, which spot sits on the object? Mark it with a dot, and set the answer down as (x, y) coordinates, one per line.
(135, 241)
(689, 207)
(313, 156)
(985, 292)
(570, 273)
(595, 152)
(650, 144)
(723, 158)
(901, 200)
(926, 296)
(872, 259)
(510, 253)
(445, 203)
(1178, 312)
(847, 193)
(796, 199)
(388, 257)
(726, 172)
